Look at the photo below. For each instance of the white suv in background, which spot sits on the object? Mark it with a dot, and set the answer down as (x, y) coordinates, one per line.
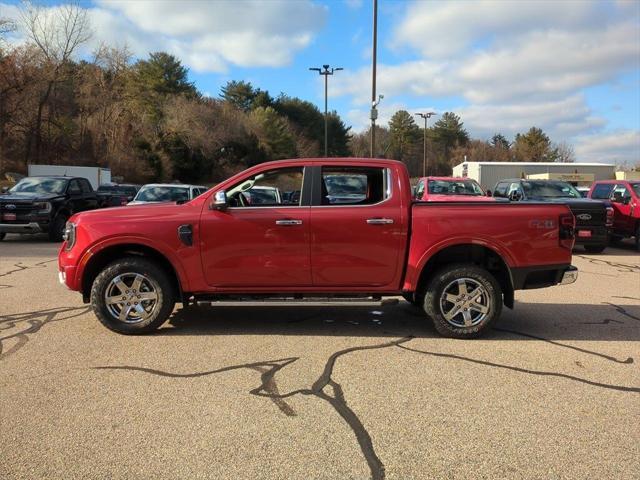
(167, 192)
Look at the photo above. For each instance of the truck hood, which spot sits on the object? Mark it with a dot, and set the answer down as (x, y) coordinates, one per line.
(134, 213)
(28, 197)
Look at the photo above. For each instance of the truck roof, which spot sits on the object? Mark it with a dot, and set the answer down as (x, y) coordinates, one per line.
(351, 160)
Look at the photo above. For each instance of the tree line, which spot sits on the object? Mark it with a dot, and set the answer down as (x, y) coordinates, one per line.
(146, 121)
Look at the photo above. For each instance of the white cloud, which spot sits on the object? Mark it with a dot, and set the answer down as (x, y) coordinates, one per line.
(208, 36)
(620, 147)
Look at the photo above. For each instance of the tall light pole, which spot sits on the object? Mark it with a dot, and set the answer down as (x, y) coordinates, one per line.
(374, 111)
(426, 117)
(326, 72)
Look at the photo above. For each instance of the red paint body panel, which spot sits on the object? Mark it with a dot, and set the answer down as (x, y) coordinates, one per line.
(334, 249)
(625, 217)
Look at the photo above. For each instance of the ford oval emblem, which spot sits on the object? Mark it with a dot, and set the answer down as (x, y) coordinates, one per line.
(584, 216)
(10, 206)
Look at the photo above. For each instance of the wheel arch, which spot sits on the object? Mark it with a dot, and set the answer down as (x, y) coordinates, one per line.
(475, 254)
(100, 259)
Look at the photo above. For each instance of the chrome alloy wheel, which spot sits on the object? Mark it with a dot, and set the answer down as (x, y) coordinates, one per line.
(464, 303)
(131, 297)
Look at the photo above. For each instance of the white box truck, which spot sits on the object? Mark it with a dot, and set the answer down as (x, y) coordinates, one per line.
(96, 175)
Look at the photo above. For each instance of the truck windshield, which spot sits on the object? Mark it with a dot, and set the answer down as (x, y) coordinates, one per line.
(454, 187)
(40, 185)
(162, 194)
(547, 189)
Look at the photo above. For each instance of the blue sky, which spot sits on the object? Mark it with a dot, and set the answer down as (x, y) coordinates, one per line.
(569, 67)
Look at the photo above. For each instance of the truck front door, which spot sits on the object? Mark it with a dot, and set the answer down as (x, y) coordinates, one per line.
(262, 239)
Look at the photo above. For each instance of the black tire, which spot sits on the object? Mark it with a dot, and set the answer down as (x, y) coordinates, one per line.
(56, 229)
(473, 276)
(638, 237)
(156, 281)
(595, 248)
(2, 235)
(615, 239)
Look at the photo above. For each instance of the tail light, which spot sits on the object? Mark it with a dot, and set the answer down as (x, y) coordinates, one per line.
(567, 223)
(609, 222)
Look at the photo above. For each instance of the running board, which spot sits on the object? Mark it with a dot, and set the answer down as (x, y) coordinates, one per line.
(300, 302)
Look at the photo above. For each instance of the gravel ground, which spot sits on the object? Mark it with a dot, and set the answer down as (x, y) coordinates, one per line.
(323, 393)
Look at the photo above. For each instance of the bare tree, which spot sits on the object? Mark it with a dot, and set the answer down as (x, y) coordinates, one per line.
(564, 153)
(6, 26)
(58, 32)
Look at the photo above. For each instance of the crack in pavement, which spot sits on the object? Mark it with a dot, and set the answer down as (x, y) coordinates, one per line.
(336, 397)
(268, 389)
(621, 267)
(629, 360)
(486, 363)
(29, 323)
(622, 311)
(21, 267)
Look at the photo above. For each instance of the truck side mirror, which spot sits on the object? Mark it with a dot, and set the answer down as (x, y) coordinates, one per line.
(489, 194)
(219, 201)
(515, 196)
(5, 189)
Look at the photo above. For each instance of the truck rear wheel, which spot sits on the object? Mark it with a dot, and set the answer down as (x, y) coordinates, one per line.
(463, 301)
(132, 296)
(595, 248)
(2, 235)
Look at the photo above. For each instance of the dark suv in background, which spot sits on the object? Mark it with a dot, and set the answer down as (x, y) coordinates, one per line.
(44, 204)
(593, 218)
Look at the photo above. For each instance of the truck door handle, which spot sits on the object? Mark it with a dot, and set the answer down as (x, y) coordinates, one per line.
(379, 221)
(288, 223)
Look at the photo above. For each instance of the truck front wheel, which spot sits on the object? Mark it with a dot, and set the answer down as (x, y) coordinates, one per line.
(463, 301)
(132, 295)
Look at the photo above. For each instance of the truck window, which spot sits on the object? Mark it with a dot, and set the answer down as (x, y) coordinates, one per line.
(274, 188)
(621, 193)
(501, 190)
(74, 187)
(420, 189)
(86, 186)
(353, 186)
(602, 191)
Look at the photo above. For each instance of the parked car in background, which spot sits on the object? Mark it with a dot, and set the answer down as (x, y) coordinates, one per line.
(167, 192)
(460, 262)
(449, 189)
(593, 218)
(115, 195)
(624, 198)
(44, 204)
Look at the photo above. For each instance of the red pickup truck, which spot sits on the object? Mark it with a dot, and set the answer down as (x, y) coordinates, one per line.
(624, 197)
(339, 228)
(438, 189)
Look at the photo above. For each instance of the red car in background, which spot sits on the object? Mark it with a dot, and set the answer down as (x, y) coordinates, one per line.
(624, 196)
(449, 189)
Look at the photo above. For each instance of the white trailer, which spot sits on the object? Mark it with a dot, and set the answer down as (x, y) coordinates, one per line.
(487, 174)
(96, 175)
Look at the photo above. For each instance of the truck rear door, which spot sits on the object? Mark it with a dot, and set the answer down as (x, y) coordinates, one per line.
(358, 227)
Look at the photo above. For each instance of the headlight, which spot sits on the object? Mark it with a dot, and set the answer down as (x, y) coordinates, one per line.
(42, 207)
(69, 236)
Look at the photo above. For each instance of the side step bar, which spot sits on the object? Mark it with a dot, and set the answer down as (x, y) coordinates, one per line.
(299, 302)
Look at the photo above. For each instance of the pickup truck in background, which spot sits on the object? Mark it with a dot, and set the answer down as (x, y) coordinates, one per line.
(624, 198)
(593, 218)
(449, 189)
(459, 261)
(44, 204)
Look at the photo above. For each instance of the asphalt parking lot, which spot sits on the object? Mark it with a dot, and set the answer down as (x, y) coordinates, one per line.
(322, 393)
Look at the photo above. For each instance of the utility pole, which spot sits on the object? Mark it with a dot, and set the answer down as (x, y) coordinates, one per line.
(326, 72)
(374, 111)
(426, 117)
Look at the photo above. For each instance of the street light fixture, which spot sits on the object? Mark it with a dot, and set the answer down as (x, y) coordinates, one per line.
(426, 117)
(326, 72)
